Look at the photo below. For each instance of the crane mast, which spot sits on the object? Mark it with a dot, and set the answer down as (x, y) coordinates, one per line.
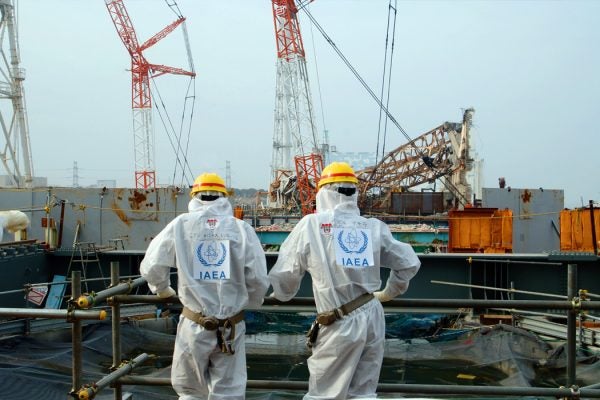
(16, 152)
(296, 159)
(141, 99)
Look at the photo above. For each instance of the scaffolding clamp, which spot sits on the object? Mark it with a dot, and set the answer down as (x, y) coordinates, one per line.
(130, 283)
(71, 311)
(86, 300)
(87, 392)
(576, 303)
(575, 393)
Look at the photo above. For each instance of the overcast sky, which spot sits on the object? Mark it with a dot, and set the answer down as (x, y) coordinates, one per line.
(530, 69)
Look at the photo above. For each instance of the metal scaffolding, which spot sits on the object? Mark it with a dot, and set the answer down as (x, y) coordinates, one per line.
(118, 294)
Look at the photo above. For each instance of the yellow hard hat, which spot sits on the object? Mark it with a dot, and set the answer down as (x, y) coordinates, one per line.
(209, 182)
(337, 172)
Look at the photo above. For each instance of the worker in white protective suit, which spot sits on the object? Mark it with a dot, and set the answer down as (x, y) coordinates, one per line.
(343, 252)
(221, 270)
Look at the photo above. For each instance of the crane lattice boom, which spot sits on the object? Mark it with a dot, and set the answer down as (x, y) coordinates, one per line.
(141, 99)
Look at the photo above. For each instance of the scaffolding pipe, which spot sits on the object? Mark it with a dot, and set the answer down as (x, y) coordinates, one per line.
(470, 260)
(143, 298)
(76, 334)
(89, 300)
(571, 324)
(402, 303)
(511, 290)
(525, 304)
(594, 386)
(542, 314)
(90, 392)
(573, 392)
(593, 222)
(116, 328)
(27, 287)
(53, 314)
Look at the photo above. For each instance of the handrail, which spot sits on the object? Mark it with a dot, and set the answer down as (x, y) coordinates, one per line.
(562, 392)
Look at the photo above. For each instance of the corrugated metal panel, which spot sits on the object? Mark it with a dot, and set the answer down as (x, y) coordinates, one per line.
(576, 230)
(480, 230)
(417, 203)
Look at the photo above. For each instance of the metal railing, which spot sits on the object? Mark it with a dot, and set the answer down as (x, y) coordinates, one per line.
(118, 294)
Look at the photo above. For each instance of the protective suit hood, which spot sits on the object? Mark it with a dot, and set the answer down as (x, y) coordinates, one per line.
(332, 201)
(220, 206)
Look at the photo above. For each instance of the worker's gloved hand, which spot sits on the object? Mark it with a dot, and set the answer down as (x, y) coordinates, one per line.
(165, 294)
(382, 296)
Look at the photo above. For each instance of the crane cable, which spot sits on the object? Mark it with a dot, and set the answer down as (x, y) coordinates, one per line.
(356, 74)
(325, 134)
(172, 4)
(422, 155)
(179, 149)
(188, 49)
(170, 130)
(386, 74)
(188, 96)
(389, 78)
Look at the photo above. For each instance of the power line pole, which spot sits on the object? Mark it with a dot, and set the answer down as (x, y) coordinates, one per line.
(75, 175)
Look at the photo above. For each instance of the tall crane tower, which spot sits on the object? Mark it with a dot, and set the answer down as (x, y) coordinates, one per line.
(141, 100)
(297, 160)
(16, 151)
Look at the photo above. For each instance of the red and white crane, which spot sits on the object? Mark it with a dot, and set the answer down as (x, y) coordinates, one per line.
(297, 159)
(141, 99)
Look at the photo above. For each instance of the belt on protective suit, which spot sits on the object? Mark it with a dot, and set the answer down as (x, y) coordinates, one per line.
(329, 317)
(218, 325)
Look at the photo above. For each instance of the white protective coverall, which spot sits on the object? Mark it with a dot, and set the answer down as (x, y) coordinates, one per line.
(347, 355)
(221, 270)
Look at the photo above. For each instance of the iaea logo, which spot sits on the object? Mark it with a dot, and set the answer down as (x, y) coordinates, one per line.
(353, 242)
(211, 254)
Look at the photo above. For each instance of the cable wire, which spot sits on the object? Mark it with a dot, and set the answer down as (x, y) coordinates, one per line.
(422, 155)
(385, 53)
(357, 75)
(325, 136)
(389, 83)
(177, 149)
(172, 4)
(189, 127)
